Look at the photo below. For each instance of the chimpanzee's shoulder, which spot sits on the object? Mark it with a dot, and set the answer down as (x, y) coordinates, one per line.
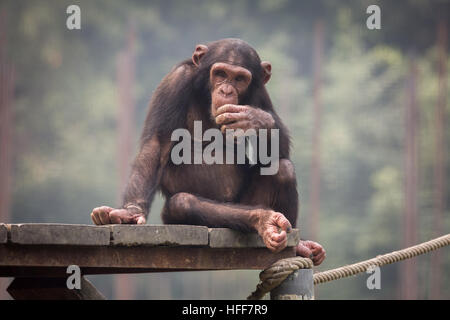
(182, 69)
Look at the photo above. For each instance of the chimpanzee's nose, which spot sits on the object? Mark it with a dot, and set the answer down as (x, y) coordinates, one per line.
(226, 90)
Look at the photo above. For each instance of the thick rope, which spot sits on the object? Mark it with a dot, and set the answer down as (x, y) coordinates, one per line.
(273, 276)
(277, 273)
(382, 260)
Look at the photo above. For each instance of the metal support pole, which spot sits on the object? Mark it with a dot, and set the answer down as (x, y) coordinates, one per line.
(297, 286)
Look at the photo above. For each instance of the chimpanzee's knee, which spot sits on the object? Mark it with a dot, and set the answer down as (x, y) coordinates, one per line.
(178, 207)
(286, 172)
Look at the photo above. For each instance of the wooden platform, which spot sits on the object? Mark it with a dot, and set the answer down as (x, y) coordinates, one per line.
(29, 250)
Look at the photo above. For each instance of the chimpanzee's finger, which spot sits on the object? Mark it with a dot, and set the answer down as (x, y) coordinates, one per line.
(104, 217)
(232, 108)
(241, 124)
(278, 246)
(283, 223)
(303, 251)
(319, 256)
(319, 259)
(141, 220)
(105, 209)
(95, 219)
(114, 217)
(279, 237)
(269, 244)
(229, 117)
(316, 249)
(273, 246)
(97, 210)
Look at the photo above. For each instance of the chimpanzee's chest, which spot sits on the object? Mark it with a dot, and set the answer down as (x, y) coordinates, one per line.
(216, 181)
(219, 182)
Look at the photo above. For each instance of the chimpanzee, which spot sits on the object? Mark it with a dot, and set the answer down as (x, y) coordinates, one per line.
(223, 86)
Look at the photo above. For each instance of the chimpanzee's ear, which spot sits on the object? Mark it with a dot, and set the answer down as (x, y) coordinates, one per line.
(267, 68)
(199, 52)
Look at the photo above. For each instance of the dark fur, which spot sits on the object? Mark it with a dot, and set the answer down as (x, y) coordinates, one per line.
(187, 86)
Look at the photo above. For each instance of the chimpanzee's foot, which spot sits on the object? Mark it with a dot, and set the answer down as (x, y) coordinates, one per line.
(273, 227)
(312, 250)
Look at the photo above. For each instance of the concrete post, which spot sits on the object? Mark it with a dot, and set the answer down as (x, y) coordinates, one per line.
(297, 286)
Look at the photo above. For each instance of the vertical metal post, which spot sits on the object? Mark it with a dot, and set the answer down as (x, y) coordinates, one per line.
(298, 286)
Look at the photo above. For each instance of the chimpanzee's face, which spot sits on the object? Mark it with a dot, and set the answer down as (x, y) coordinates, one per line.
(228, 83)
(233, 68)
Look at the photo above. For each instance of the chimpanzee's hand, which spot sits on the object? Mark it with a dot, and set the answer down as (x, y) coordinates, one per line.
(312, 250)
(231, 116)
(107, 215)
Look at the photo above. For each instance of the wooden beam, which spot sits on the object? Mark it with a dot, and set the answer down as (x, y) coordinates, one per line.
(48, 249)
(154, 235)
(111, 259)
(51, 289)
(3, 233)
(38, 255)
(132, 235)
(59, 234)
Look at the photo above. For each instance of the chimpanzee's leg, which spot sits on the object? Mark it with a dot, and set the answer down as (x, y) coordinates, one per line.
(277, 192)
(260, 209)
(186, 208)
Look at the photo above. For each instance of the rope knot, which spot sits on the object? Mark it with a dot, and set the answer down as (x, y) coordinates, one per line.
(274, 275)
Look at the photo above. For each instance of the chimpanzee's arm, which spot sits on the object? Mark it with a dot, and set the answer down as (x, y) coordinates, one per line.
(145, 176)
(167, 112)
(144, 181)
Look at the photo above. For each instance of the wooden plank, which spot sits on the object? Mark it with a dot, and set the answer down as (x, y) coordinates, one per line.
(51, 289)
(47, 249)
(154, 235)
(3, 233)
(227, 238)
(59, 234)
(107, 259)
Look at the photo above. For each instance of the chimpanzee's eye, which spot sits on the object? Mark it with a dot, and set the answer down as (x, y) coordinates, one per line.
(239, 78)
(220, 74)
